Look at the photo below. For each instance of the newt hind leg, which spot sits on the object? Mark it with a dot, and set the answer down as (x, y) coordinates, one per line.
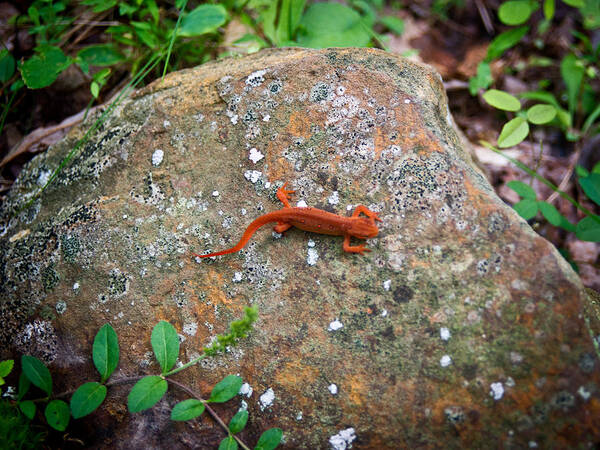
(284, 196)
(281, 227)
(354, 248)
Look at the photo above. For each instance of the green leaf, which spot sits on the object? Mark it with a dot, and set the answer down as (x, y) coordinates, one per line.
(204, 19)
(540, 114)
(165, 344)
(288, 17)
(581, 171)
(502, 100)
(87, 398)
(504, 41)
(105, 351)
(7, 65)
(37, 373)
(482, 80)
(591, 187)
(226, 389)
(588, 229)
(332, 25)
(228, 443)
(554, 217)
(146, 393)
(524, 190)
(269, 439)
(549, 8)
(101, 55)
(43, 68)
(589, 121)
(94, 89)
(575, 3)
(57, 415)
(24, 385)
(393, 23)
(187, 409)
(238, 422)
(572, 72)
(6, 367)
(526, 208)
(513, 132)
(28, 408)
(515, 12)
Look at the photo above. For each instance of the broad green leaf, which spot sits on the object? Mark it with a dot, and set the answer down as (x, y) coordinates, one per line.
(572, 72)
(393, 23)
(513, 132)
(24, 385)
(482, 80)
(228, 443)
(37, 373)
(187, 409)
(575, 3)
(502, 100)
(540, 114)
(165, 344)
(526, 208)
(581, 171)
(105, 351)
(269, 439)
(238, 422)
(554, 217)
(204, 19)
(504, 41)
(42, 68)
(146, 393)
(524, 190)
(28, 408)
(591, 187)
(87, 398)
(101, 55)
(515, 12)
(226, 389)
(6, 367)
(332, 25)
(7, 65)
(595, 169)
(588, 229)
(57, 414)
(549, 8)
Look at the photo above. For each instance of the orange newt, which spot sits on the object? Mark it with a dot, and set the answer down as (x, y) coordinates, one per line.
(312, 219)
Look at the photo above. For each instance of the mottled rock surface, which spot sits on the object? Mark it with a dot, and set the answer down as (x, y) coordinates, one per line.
(462, 328)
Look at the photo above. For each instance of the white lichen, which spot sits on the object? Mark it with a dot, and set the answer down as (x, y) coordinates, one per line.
(335, 325)
(343, 439)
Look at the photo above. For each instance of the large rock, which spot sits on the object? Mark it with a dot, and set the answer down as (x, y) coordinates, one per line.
(462, 328)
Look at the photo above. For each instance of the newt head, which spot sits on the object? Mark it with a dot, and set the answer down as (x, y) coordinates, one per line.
(363, 228)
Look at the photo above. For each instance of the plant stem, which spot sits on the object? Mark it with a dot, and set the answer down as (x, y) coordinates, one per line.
(185, 366)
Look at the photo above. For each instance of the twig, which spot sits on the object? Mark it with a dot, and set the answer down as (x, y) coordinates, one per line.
(563, 183)
(485, 17)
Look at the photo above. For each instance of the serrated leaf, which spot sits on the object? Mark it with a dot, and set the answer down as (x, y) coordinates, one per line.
(165, 344)
(43, 68)
(228, 443)
(146, 393)
(502, 100)
(513, 132)
(526, 208)
(540, 114)
(57, 414)
(37, 373)
(238, 422)
(28, 408)
(504, 41)
(269, 439)
(204, 19)
(7, 65)
(554, 217)
(515, 12)
(226, 389)
(524, 190)
(87, 398)
(591, 187)
(588, 229)
(393, 23)
(329, 24)
(100, 55)
(105, 351)
(6, 367)
(187, 409)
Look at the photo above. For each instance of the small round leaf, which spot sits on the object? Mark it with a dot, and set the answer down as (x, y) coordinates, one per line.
(187, 409)
(502, 100)
(28, 408)
(42, 68)
(540, 114)
(6, 367)
(226, 389)
(513, 132)
(591, 187)
(554, 217)
(57, 415)
(524, 190)
(527, 208)
(228, 443)
(238, 422)
(146, 393)
(87, 398)
(588, 229)
(269, 439)
(515, 12)
(100, 55)
(204, 19)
